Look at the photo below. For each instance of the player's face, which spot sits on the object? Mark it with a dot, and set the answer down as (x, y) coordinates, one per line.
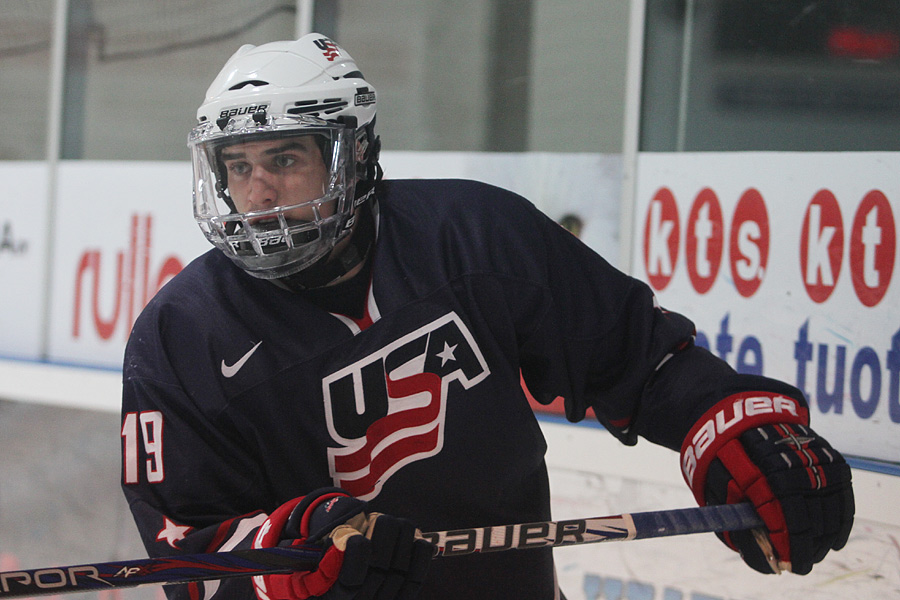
(267, 174)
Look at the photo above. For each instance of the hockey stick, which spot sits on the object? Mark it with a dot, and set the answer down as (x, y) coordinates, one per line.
(221, 565)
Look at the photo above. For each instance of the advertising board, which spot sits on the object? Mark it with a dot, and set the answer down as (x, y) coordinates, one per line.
(786, 263)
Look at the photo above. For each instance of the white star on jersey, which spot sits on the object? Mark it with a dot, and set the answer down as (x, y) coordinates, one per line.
(447, 353)
(172, 532)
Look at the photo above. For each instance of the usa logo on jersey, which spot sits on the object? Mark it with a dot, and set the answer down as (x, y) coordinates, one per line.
(387, 410)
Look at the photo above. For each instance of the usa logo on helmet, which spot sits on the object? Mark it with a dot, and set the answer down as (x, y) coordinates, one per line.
(329, 49)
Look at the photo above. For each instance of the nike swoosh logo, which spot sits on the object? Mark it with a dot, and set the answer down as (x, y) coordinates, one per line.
(231, 370)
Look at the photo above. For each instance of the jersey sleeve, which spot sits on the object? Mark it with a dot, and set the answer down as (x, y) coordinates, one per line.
(601, 341)
(213, 502)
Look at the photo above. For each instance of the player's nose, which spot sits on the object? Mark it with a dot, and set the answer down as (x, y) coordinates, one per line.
(262, 192)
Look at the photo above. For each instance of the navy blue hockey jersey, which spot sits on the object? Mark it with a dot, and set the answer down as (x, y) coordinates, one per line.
(240, 395)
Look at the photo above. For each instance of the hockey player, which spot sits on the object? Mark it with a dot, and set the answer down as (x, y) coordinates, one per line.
(344, 366)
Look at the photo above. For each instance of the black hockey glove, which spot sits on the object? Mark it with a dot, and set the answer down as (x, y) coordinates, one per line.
(758, 448)
(367, 555)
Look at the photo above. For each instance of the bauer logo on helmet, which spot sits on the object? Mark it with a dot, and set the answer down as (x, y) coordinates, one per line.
(243, 110)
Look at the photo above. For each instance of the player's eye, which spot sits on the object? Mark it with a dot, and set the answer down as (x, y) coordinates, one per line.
(284, 161)
(238, 168)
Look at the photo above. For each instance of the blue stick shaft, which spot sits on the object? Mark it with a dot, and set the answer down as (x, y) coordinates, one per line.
(728, 517)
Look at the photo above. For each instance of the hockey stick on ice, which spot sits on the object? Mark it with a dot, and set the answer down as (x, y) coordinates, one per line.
(221, 565)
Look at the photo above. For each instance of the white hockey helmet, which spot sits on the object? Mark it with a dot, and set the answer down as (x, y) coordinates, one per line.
(281, 91)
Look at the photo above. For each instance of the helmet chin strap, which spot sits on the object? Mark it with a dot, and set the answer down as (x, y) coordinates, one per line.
(331, 267)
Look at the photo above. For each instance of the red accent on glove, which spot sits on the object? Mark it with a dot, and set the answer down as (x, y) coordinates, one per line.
(312, 583)
(299, 585)
(307, 513)
(749, 483)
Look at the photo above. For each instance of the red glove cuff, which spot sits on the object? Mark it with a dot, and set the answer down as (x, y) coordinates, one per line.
(727, 420)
